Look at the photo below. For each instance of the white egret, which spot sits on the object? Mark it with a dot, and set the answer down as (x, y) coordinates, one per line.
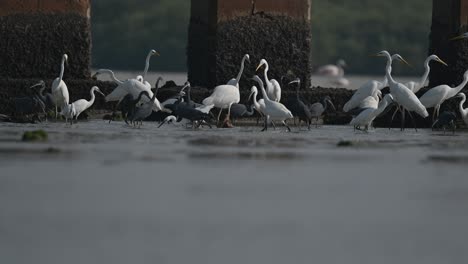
(331, 70)
(369, 88)
(273, 87)
(402, 95)
(79, 106)
(223, 97)
(235, 81)
(317, 109)
(416, 86)
(59, 88)
(258, 105)
(436, 96)
(366, 117)
(274, 111)
(463, 111)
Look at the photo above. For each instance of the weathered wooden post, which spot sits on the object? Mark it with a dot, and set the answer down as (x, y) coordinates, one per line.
(449, 19)
(35, 33)
(222, 31)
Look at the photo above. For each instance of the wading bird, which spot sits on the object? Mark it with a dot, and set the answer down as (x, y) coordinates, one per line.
(436, 96)
(46, 98)
(416, 86)
(240, 110)
(128, 104)
(273, 87)
(298, 107)
(366, 117)
(369, 88)
(274, 111)
(235, 81)
(223, 97)
(445, 119)
(402, 95)
(59, 88)
(183, 111)
(463, 111)
(79, 106)
(317, 109)
(169, 120)
(259, 105)
(143, 111)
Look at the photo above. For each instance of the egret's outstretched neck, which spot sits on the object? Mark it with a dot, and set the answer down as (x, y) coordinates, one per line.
(462, 110)
(147, 65)
(427, 69)
(388, 74)
(112, 75)
(266, 72)
(93, 96)
(457, 89)
(262, 88)
(62, 69)
(239, 75)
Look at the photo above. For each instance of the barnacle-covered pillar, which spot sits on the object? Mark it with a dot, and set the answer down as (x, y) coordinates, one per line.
(35, 33)
(449, 19)
(222, 31)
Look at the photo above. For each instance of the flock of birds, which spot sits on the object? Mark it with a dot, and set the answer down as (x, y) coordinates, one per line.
(137, 100)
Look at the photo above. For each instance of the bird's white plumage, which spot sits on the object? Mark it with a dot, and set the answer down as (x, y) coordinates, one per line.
(370, 88)
(79, 106)
(273, 88)
(437, 95)
(274, 111)
(59, 88)
(223, 96)
(463, 111)
(366, 117)
(402, 94)
(133, 87)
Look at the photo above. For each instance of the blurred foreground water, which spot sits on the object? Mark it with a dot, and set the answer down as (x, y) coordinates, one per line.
(109, 193)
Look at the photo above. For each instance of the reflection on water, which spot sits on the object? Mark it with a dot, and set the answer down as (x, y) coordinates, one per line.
(109, 193)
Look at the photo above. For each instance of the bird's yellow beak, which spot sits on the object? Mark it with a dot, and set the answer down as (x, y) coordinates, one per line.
(405, 62)
(157, 53)
(375, 55)
(443, 62)
(258, 67)
(457, 38)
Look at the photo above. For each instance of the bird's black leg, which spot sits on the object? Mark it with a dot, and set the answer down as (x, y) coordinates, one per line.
(265, 125)
(162, 123)
(402, 120)
(412, 119)
(273, 124)
(286, 125)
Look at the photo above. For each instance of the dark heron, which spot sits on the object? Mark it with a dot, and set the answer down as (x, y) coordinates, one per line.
(240, 110)
(29, 105)
(446, 119)
(46, 98)
(298, 107)
(182, 111)
(317, 109)
(140, 113)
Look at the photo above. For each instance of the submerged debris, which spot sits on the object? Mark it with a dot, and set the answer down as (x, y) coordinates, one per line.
(35, 135)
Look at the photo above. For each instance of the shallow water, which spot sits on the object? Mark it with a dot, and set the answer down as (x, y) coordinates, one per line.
(108, 193)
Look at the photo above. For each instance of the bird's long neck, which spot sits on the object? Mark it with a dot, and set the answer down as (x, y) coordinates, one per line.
(452, 92)
(62, 69)
(381, 107)
(462, 110)
(111, 73)
(255, 102)
(147, 64)
(266, 74)
(93, 96)
(388, 73)
(187, 96)
(297, 92)
(239, 75)
(427, 69)
(265, 95)
(325, 105)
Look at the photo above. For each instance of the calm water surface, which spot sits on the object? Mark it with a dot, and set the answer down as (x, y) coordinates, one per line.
(108, 193)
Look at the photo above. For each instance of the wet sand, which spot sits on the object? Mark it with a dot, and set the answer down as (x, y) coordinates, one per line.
(108, 193)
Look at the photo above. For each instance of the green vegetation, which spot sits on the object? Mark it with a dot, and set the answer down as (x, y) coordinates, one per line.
(124, 31)
(36, 135)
